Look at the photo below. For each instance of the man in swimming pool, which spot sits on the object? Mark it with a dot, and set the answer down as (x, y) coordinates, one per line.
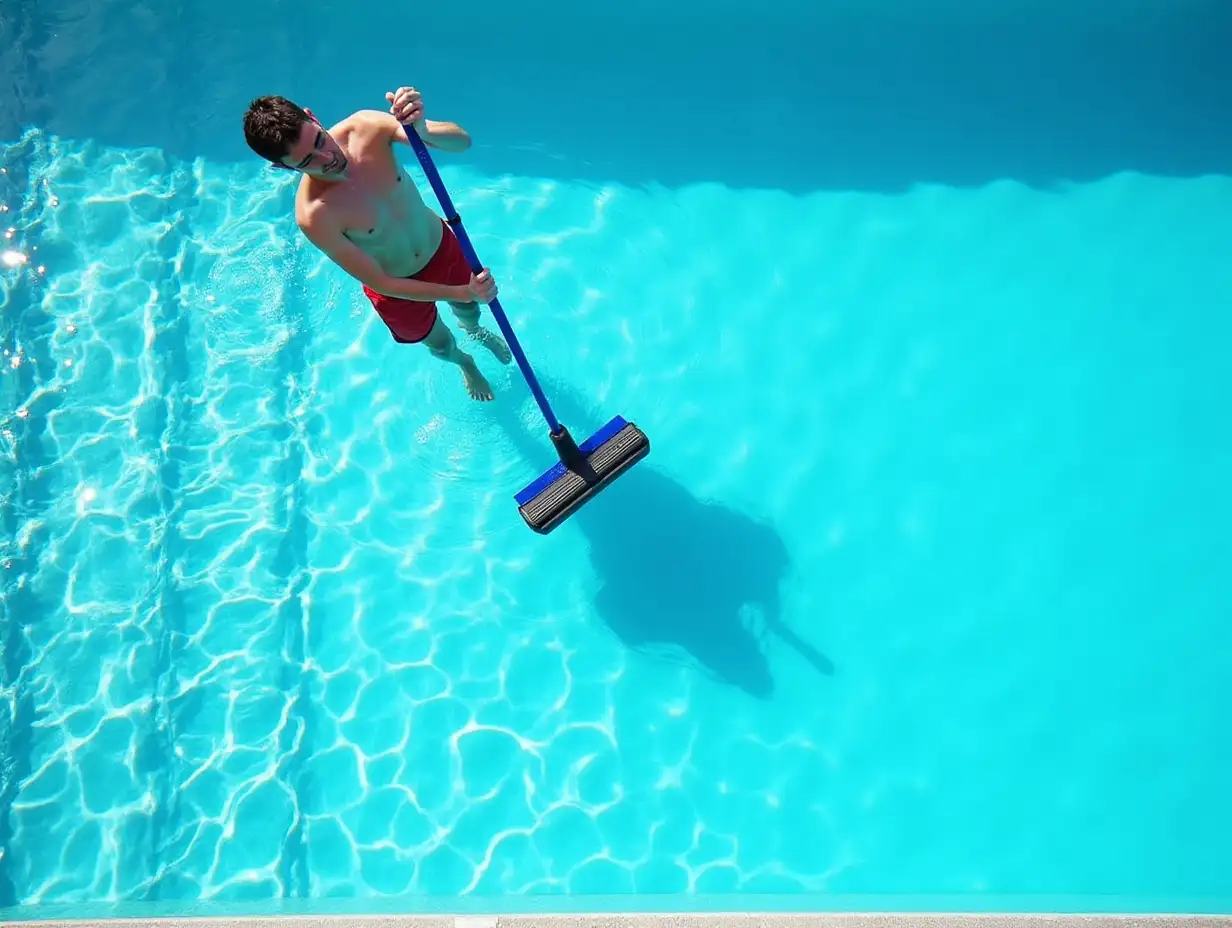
(361, 209)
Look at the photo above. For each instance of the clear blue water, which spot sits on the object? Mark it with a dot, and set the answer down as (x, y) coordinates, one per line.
(917, 601)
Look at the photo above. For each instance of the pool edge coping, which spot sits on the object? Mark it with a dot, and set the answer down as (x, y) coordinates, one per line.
(666, 919)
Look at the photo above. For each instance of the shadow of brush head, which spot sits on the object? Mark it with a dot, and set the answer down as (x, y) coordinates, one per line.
(673, 570)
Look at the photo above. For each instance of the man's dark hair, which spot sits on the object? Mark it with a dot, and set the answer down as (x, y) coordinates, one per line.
(272, 124)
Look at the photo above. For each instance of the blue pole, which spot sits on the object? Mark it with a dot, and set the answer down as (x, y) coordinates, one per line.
(455, 222)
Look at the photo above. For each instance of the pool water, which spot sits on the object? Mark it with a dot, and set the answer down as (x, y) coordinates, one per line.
(918, 593)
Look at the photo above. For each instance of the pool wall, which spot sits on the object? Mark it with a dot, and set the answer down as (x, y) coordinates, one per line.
(657, 920)
(881, 95)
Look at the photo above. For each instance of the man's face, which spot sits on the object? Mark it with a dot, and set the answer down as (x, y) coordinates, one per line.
(316, 153)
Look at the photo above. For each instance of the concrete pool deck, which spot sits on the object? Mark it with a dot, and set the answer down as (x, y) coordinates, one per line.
(664, 920)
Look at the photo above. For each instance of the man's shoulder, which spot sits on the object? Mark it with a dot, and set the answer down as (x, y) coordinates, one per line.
(365, 122)
(372, 117)
(364, 131)
(310, 209)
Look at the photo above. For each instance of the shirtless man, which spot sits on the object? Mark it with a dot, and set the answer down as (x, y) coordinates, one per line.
(362, 210)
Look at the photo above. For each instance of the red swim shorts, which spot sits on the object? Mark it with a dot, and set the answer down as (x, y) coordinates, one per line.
(411, 320)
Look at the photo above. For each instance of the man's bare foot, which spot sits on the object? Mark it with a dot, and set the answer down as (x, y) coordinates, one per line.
(476, 384)
(494, 343)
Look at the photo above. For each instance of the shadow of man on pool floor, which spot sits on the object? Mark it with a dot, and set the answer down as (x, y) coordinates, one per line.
(674, 570)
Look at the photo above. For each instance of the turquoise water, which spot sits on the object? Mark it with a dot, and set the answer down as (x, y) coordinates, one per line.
(917, 597)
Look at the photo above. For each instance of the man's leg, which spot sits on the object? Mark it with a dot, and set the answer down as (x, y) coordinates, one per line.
(468, 319)
(441, 343)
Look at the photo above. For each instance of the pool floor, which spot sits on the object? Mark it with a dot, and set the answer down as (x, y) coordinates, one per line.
(921, 590)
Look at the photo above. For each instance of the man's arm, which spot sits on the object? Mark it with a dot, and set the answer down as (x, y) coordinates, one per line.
(447, 136)
(327, 235)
